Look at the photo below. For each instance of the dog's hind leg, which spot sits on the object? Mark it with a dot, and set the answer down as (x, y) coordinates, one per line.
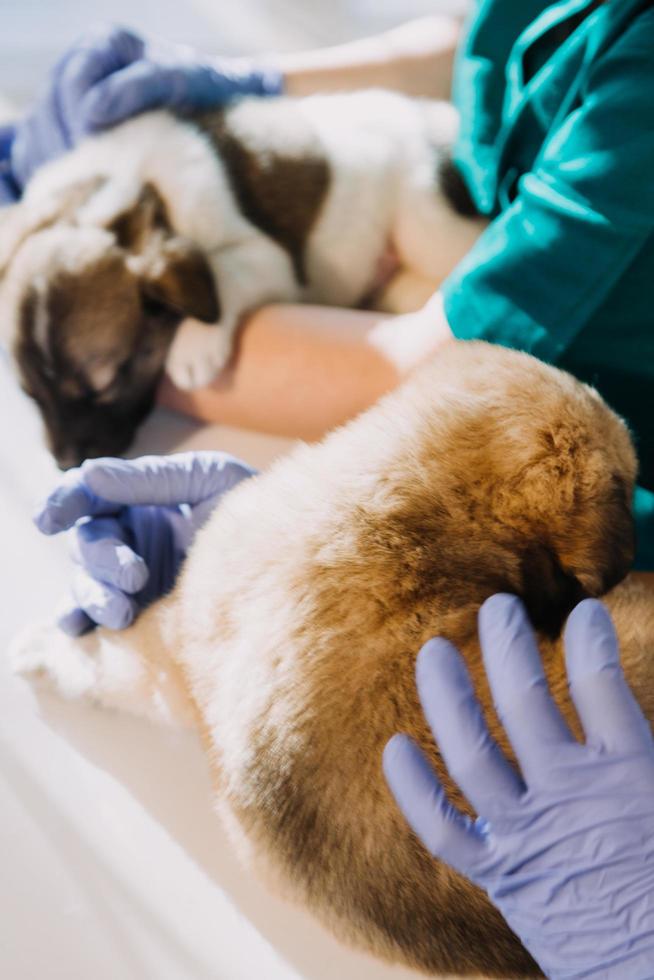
(128, 670)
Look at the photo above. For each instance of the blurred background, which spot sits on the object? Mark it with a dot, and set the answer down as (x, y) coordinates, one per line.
(34, 32)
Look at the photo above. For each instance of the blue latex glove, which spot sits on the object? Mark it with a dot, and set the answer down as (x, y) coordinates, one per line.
(134, 521)
(111, 74)
(9, 190)
(565, 850)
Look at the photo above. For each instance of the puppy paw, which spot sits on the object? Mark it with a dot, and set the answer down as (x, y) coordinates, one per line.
(26, 654)
(45, 656)
(197, 354)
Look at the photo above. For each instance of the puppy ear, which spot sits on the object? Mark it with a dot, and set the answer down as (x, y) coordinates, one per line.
(172, 271)
(177, 275)
(604, 545)
(593, 555)
(135, 224)
(549, 592)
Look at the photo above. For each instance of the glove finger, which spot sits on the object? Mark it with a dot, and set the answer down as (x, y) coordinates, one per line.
(7, 136)
(134, 89)
(164, 480)
(9, 190)
(74, 621)
(103, 604)
(70, 500)
(473, 758)
(532, 720)
(609, 713)
(444, 831)
(102, 548)
(98, 55)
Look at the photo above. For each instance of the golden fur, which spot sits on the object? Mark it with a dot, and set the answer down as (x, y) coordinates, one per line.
(297, 619)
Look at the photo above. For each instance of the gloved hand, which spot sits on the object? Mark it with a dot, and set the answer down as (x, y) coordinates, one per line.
(111, 74)
(565, 850)
(134, 521)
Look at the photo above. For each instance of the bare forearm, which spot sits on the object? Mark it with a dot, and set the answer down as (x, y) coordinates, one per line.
(302, 370)
(299, 371)
(416, 59)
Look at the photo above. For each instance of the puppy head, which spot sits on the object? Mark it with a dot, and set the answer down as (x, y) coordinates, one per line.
(531, 477)
(94, 309)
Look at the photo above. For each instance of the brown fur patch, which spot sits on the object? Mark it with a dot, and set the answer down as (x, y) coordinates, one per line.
(172, 270)
(134, 227)
(280, 191)
(178, 276)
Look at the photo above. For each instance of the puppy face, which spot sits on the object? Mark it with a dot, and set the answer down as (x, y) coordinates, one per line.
(94, 310)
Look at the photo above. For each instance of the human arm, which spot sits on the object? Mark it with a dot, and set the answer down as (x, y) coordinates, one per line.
(416, 58)
(565, 846)
(301, 370)
(133, 522)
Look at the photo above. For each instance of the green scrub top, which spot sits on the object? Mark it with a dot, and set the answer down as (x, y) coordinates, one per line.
(557, 148)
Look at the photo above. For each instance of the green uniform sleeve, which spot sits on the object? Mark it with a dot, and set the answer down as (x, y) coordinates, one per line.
(545, 265)
(479, 85)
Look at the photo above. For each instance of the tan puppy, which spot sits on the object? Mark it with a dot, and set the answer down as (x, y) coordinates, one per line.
(291, 637)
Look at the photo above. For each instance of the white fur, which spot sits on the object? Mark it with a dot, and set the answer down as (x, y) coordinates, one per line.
(97, 669)
(379, 147)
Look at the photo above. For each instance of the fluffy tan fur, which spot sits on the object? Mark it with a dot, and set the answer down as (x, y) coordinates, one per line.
(296, 622)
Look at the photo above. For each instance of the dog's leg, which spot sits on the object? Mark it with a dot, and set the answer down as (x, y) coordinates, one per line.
(199, 352)
(128, 670)
(249, 275)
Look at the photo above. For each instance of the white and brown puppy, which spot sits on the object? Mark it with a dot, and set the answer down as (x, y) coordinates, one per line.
(166, 218)
(290, 639)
